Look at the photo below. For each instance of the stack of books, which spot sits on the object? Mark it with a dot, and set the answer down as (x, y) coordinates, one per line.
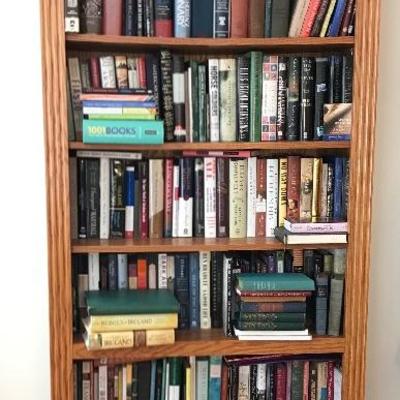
(120, 118)
(272, 306)
(122, 319)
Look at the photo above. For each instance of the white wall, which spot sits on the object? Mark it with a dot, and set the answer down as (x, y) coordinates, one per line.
(383, 375)
(24, 338)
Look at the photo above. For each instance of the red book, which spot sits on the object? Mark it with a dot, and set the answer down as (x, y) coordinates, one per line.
(224, 382)
(280, 382)
(306, 378)
(293, 188)
(239, 18)
(95, 81)
(112, 17)
(168, 196)
(261, 202)
(141, 65)
(163, 18)
(331, 381)
(273, 294)
(144, 203)
(142, 273)
(309, 19)
(348, 13)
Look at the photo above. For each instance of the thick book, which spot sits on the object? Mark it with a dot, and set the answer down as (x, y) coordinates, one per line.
(337, 121)
(280, 14)
(251, 196)
(214, 382)
(221, 18)
(202, 104)
(163, 18)
(335, 79)
(347, 16)
(347, 78)
(167, 94)
(194, 291)
(306, 189)
(239, 18)
(268, 316)
(168, 196)
(130, 18)
(202, 18)
(222, 199)
(117, 208)
(92, 198)
(156, 198)
(199, 212)
(108, 340)
(272, 191)
(269, 326)
(123, 132)
(307, 94)
(321, 225)
(214, 100)
(282, 190)
(182, 18)
(112, 17)
(261, 198)
(178, 90)
(210, 197)
(255, 94)
(216, 290)
(256, 19)
(289, 307)
(237, 198)
(181, 289)
(293, 103)
(185, 199)
(243, 90)
(321, 303)
(91, 13)
(282, 98)
(71, 9)
(289, 238)
(321, 94)
(293, 188)
(205, 286)
(75, 84)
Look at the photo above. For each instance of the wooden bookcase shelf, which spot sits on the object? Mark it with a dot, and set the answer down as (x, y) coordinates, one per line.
(186, 245)
(55, 44)
(212, 342)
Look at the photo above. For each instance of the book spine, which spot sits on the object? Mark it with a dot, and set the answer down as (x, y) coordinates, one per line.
(319, 19)
(293, 188)
(163, 18)
(151, 272)
(92, 198)
(292, 307)
(306, 194)
(71, 9)
(130, 18)
(85, 74)
(272, 169)
(214, 384)
(261, 383)
(266, 317)
(117, 208)
(297, 379)
(347, 18)
(153, 76)
(327, 19)
(310, 16)
(282, 99)
(144, 212)
(237, 198)
(330, 381)
(182, 18)
(221, 18)
(112, 17)
(94, 271)
(251, 196)
(194, 291)
(338, 187)
(129, 202)
(269, 325)
(142, 273)
(121, 71)
(202, 374)
(256, 65)
(216, 290)
(227, 90)
(202, 18)
(156, 198)
(321, 303)
(182, 289)
(210, 215)
(299, 14)
(335, 305)
(162, 271)
(158, 337)
(226, 293)
(268, 19)
(316, 188)
(82, 194)
(175, 203)
(243, 97)
(178, 85)
(199, 197)
(73, 187)
(91, 16)
(293, 104)
(307, 98)
(329, 191)
(167, 91)
(269, 98)
(75, 84)
(261, 199)
(282, 196)
(186, 193)
(222, 199)
(335, 82)
(168, 196)
(205, 306)
(140, 12)
(244, 382)
(336, 22)
(321, 95)
(193, 81)
(213, 93)
(104, 198)
(107, 72)
(281, 376)
(122, 271)
(256, 23)
(347, 76)
(202, 103)
(239, 18)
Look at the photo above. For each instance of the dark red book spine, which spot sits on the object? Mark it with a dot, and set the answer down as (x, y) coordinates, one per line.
(261, 197)
(95, 81)
(168, 196)
(331, 370)
(239, 18)
(142, 273)
(280, 383)
(274, 294)
(224, 382)
(348, 13)
(144, 212)
(163, 18)
(112, 17)
(306, 379)
(293, 188)
(141, 65)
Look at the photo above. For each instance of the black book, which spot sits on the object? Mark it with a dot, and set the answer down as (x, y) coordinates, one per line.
(182, 289)
(82, 231)
(280, 18)
(203, 101)
(216, 290)
(288, 261)
(221, 18)
(159, 379)
(144, 380)
(222, 194)
(148, 18)
(93, 198)
(321, 94)
(166, 85)
(253, 382)
(139, 18)
(112, 272)
(193, 70)
(243, 70)
(199, 197)
(307, 94)
(335, 79)
(282, 98)
(178, 73)
(293, 101)
(202, 18)
(153, 75)
(186, 192)
(117, 208)
(130, 18)
(103, 271)
(321, 303)
(347, 79)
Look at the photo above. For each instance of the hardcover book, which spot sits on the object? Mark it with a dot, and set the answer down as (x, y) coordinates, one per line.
(337, 121)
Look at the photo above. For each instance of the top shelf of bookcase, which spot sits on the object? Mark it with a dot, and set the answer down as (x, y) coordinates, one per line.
(207, 45)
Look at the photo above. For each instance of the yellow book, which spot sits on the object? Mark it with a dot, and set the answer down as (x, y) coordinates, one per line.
(139, 111)
(327, 19)
(108, 340)
(282, 190)
(120, 323)
(188, 389)
(317, 169)
(128, 381)
(160, 336)
(120, 383)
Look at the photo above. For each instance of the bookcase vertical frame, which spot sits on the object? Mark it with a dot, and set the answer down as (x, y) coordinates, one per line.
(361, 161)
(58, 225)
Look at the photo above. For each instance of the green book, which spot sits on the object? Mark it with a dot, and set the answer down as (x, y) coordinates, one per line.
(175, 378)
(119, 302)
(266, 317)
(253, 282)
(297, 380)
(270, 326)
(256, 60)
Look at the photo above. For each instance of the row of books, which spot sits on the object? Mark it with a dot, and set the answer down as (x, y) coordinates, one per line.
(252, 97)
(115, 196)
(205, 285)
(310, 377)
(211, 18)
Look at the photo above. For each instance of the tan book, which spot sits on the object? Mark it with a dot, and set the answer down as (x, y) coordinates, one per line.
(108, 340)
(140, 338)
(121, 68)
(237, 198)
(306, 189)
(282, 190)
(159, 337)
(316, 180)
(156, 198)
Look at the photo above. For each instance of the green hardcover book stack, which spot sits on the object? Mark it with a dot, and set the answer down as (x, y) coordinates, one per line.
(127, 318)
(272, 306)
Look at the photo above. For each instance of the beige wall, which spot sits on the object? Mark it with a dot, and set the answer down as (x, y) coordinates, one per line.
(383, 360)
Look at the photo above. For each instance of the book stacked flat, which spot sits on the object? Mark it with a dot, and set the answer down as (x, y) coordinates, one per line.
(122, 319)
(120, 118)
(272, 306)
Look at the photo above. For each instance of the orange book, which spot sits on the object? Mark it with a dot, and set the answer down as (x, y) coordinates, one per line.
(309, 19)
(142, 273)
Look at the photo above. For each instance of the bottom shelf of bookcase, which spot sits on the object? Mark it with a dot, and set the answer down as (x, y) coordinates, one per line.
(211, 342)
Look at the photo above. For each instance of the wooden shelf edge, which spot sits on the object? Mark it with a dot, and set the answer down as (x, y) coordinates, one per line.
(212, 44)
(218, 146)
(209, 343)
(186, 245)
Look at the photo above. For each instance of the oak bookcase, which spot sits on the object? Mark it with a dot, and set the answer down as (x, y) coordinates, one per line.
(64, 348)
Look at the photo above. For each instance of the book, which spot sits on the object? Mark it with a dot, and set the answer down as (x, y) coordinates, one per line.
(319, 19)
(199, 197)
(167, 92)
(309, 238)
(156, 198)
(178, 90)
(309, 17)
(239, 18)
(289, 307)
(185, 199)
(317, 226)
(210, 193)
(255, 93)
(282, 190)
(194, 290)
(157, 337)
(321, 95)
(214, 382)
(269, 98)
(163, 18)
(265, 317)
(282, 98)
(243, 84)
(327, 19)
(108, 340)
(182, 18)
(222, 197)
(214, 100)
(237, 198)
(71, 20)
(252, 186)
(205, 286)
(335, 24)
(272, 191)
(293, 188)
(298, 16)
(293, 104)
(202, 18)
(280, 13)
(90, 18)
(256, 18)
(337, 121)
(269, 326)
(307, 93)
(221, 14)
(181, 288)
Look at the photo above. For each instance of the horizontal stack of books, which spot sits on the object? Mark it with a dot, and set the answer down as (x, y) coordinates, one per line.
(309, 377)
(253, 97)
(122, 319)
(120, 118)
(113, 195)
(272, 306)
(211, 18)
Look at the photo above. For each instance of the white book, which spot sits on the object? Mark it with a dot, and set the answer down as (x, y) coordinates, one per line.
(103, 382)
(185, 218)
(95, 384)
(213, 90)
(129, 202)
(122, 271)
(152, 274)
(202, 379)
(239, 332)
(210, 197)
(244, 383)
(271, 219)
(205, 306)
(170, 272)
(103, 110)
(337, 385)
(167, 397)
(104, 198)
(192, 362)
(298, 17)
(94, 271)
(174, 392)
(86, 389)
(133, 75)
(251, 196)
(124, 383)
(261, 378)
(275, 338)
(107, 72)
(162, 271)
(175, 201)
(120, 155)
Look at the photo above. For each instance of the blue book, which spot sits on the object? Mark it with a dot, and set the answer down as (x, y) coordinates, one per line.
(337, 188)
(123, 131)
(129, 191)
(124, 104)
(214, 382)
(182, 18)
(202, 18)
(336, 20)
(194, 290)
(153, 380)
